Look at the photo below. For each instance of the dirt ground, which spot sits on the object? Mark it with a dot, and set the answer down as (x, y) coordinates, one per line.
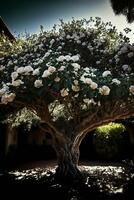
(101, 180)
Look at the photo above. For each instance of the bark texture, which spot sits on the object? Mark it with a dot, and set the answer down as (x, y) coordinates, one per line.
(67, 145)
(67, 157)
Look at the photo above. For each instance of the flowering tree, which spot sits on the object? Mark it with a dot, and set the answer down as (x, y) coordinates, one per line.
(76, 77)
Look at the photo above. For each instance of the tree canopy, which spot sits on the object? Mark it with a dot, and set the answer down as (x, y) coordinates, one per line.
(82, 64)
(76, 77)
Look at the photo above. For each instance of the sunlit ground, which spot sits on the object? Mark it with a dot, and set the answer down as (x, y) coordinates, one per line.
(108, 177)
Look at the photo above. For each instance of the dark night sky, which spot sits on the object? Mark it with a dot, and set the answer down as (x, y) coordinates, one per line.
(30, 14)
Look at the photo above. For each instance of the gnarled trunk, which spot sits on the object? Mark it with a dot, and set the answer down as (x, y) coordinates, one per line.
(68, 157)
(67, 153)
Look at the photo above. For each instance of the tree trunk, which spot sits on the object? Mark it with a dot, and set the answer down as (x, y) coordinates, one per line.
(68, 157)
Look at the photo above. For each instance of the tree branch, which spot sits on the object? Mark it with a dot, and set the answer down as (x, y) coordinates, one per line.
(103, 116)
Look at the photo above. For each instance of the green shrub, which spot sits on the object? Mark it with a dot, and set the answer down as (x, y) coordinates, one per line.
(8, 48)
(109, 140)
(24, 118)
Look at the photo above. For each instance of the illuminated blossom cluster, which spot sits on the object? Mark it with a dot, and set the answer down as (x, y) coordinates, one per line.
(76, 62)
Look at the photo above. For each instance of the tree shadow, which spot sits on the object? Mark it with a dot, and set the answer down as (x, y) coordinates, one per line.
(99, 184)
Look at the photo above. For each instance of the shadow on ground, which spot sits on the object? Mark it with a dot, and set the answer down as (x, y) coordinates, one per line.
(100, 183)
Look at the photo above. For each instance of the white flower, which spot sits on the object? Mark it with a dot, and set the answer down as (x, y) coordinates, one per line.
(61, 37)
(75, 88)
(17, 82)
(8, 98)
(35, 48)
(76, 66)
(15, 68)
(36, 72)
(76, 82)
(52, 42)
(75, 58)
(2, 91)
(67, 58)
(124, 49)
(14, 75)
(91, 48)
(130, 55)
(60, 58)
(87, 81)
(116, 56)
(110, 60)
(57, 79)
(116, 81)
(59, 48)
(75, 73)
(74, 35)
(51, 69)
(83, 43)
(2, 67)
(46, 73)
(86, 100)
(48, 64)
(38, 83)
(68, 36)
(125, 67)
(61, 68)
(104, 90)
(4, 100)
(106, 73)
(117, 60)
(99, 103)
(28, 69)
(93, 85)
(131, 89)
(11, 97)
(76, 95)
(89, 101)
(38, 55)
(64, 92)
(9, 63)
(82, 78)
(40, 46)
(86, 69)
(5, 87)
(98, 62)
(20, 70)
(47, 54)
(78, 42)
(82, 34)
(39, 61)
(8, 84)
